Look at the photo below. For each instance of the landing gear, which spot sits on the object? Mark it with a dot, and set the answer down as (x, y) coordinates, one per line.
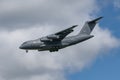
(50, 50)
(55, 50)
(26, 51)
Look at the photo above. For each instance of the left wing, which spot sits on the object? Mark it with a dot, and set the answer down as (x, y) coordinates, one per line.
(59, 35)
(62, 34)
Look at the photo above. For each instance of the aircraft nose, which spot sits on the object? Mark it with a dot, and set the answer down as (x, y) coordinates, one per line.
(21, 47)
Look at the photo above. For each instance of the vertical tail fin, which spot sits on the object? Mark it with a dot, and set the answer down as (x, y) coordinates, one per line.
(89, 26)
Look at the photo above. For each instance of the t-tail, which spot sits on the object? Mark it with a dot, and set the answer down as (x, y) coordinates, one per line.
(89, 26)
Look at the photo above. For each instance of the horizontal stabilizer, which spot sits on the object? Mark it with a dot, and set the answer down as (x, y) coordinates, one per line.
(95, 20)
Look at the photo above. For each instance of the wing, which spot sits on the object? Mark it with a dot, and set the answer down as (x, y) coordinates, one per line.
(59, 35)
(62, 34)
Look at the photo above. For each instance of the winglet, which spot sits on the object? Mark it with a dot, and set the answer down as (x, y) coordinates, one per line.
(95, 20)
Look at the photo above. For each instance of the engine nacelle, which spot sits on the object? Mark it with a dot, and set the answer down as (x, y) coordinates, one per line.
(53, 37)
(44, 39)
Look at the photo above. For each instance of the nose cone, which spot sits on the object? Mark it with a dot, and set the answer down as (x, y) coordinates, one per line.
(25, 45)
(21, 47)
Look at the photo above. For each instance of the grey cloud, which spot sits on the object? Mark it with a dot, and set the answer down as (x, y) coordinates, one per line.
(18, 14)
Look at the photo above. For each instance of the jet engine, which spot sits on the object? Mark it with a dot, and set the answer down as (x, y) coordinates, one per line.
(44, 39)
(53, 37)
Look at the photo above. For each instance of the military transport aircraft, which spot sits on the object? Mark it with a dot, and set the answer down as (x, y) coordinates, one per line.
(57, 41)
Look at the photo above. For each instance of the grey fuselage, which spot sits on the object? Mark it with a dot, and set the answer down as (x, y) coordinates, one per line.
(54, 45)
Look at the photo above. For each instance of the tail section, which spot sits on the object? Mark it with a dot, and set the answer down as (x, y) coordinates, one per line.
(89, 26)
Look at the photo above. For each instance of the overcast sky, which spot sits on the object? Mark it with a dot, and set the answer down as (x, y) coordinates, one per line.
(22, 20)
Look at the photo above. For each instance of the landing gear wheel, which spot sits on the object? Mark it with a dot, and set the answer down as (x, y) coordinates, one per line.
(55, 50)
(26, 51)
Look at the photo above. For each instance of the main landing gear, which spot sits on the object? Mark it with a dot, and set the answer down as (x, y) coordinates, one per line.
(53, 50)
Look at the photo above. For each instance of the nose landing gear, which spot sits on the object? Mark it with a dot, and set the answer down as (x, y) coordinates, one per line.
(26, 51)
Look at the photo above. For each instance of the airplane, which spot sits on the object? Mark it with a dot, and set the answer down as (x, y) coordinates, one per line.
(54, 42)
